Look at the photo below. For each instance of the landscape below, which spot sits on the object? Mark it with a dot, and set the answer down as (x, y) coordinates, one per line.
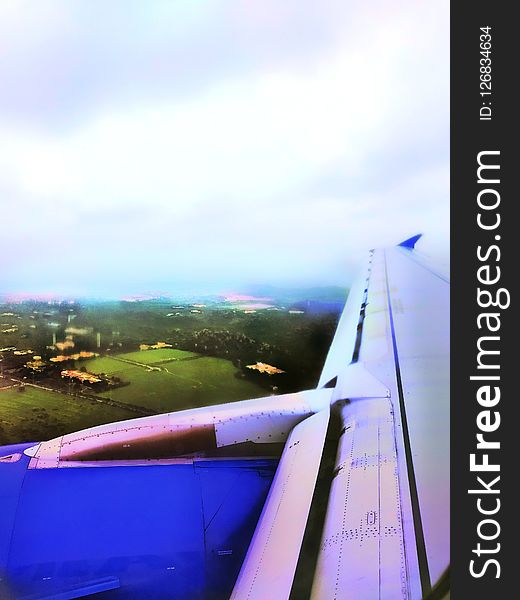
(68, 365)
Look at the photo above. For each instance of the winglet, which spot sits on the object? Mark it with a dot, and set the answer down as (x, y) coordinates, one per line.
(410, 242)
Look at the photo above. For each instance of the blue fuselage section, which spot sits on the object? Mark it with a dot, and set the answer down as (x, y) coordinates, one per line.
(151, 531)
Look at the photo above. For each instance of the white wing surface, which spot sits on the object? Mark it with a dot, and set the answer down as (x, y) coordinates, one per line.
(386, 532)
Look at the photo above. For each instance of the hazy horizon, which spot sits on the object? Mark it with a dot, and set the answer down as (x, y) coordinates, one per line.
(183, 293)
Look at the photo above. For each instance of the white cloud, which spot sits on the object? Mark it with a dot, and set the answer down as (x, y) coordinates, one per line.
(248, 152)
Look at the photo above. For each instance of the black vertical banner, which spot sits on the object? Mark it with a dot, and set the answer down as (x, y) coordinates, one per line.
(485, 430)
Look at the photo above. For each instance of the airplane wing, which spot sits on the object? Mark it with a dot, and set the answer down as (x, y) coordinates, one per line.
(386, 532)
(213, 503)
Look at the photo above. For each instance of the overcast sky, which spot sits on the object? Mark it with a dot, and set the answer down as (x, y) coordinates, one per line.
(149, 144)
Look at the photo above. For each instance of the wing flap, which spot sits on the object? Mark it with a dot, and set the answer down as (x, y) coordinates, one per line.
(362, 554)
(269, 567)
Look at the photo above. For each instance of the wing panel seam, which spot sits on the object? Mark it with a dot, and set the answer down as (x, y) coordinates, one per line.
(414, 497)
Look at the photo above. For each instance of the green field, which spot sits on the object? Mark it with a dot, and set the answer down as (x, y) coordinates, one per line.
(36, 414)
(185, 380)
(160, 380)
